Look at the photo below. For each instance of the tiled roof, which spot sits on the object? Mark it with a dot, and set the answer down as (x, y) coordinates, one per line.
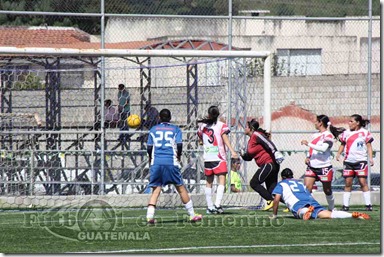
(60, 37)
(41, 36)
(68, 37)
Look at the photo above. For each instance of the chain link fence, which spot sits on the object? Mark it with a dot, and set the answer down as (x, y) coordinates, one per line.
(325, 60)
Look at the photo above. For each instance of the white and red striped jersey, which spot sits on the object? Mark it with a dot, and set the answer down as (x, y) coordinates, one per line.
(355, 149)
(320, 159)
(214, 147)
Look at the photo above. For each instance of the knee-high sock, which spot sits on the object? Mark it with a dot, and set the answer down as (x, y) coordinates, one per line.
(367, 197)
(346, 198)
(189, 208)
(150, 212)
(219, 195)
(340, 215)
(208, 197)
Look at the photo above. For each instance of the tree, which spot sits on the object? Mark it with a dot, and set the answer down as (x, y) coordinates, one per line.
(320, 8)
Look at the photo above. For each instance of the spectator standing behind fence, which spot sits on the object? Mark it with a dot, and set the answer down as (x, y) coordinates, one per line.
(267, 158)
(319, 166)
(150, 119)
(213, 134)
(111, 114)
(124, 100)
(356, 143)
(300, 202)
(235, 176)
(164, 148)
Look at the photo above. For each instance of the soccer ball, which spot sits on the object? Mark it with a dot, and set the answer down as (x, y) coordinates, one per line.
(133, 121)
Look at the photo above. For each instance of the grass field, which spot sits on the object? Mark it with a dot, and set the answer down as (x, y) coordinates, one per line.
(237, 231)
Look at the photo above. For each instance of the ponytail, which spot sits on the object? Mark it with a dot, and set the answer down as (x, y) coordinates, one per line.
(213, 114)
(363, 122)
(336, 131)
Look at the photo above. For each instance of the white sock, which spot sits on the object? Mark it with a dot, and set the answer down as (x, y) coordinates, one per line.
(219, 195)
(189, 208)
(302, 212)
(340, 215)
(331, 202)
(208, 197)
(367, 197)
(150, 212)
(346, 198)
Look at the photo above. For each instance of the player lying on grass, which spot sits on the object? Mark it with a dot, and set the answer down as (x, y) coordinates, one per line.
(300, 202)
(164, 151)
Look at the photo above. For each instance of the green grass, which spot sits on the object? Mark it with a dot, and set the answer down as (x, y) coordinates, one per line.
(238, 231)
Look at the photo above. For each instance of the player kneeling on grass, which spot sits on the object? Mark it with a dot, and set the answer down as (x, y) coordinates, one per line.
(164, 148)
(300, 202)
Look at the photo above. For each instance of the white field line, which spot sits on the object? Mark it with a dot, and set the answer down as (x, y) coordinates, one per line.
(230, 247)
(136, 217)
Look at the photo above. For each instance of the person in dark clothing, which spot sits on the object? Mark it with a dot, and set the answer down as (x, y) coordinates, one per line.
(267, 158)
(149, 119)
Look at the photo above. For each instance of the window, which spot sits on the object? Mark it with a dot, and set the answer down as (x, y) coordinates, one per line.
(298, 62)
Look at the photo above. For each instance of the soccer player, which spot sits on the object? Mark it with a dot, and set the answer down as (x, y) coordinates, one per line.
(213, 134)
(300, 202)
(356, 142)
(164, 149)
(267, 158)
(319, 159)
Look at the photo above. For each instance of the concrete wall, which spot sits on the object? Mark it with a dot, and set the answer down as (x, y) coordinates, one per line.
(343, 44)
(336, 95)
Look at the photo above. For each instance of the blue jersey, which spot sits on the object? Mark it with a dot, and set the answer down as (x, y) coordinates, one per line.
(293, 192)
(164, 138)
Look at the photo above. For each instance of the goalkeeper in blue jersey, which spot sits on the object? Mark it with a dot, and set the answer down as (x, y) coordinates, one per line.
(164, 148)
(300, 202)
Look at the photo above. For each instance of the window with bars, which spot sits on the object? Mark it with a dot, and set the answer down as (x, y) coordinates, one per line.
(298, 62)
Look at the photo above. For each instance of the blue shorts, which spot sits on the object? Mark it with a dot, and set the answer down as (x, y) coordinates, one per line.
(302, 204)
(161, 175)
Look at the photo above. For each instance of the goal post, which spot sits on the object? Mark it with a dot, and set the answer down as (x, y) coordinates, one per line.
(79, 154)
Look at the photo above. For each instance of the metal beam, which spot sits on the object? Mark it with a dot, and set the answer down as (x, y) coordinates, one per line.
(132, 52)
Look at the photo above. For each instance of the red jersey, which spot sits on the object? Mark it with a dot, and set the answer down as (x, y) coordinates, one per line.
(261, 149)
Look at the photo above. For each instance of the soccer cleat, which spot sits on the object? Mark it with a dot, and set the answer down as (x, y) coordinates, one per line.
(308, 214)
(368, 208)
(360, 215)
(219, 210)
(286, 210)
(196, 217)
(268, 205)
(211, 211)
(151, 221)
(345, 208)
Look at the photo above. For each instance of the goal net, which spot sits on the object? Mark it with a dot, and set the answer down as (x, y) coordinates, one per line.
(64, 138)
